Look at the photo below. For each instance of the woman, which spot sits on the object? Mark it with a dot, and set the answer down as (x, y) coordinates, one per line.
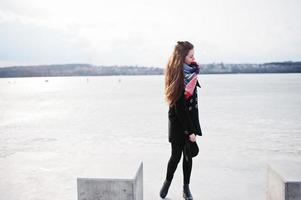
(183, 120)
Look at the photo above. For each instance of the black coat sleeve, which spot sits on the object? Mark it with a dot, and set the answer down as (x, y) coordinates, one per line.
(183, 115)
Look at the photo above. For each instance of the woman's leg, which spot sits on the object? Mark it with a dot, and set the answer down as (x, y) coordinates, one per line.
(187, 166)
(176, 152)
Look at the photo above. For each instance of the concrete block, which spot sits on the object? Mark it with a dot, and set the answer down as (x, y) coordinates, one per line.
(283, 181)
(111, 189)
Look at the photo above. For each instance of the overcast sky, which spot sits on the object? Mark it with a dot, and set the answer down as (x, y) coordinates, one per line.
(144, 32)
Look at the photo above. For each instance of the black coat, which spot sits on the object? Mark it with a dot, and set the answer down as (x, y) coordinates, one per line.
(183, 118)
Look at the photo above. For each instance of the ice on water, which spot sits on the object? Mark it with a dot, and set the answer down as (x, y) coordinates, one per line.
(55, 129)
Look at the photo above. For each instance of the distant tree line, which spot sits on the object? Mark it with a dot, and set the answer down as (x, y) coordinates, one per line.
(273, 67)
(76, 70)
(92, 70)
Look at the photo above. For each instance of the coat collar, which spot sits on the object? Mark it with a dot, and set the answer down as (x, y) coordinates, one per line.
(198, 84)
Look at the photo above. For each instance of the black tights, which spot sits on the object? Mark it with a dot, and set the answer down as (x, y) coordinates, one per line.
(176, 152)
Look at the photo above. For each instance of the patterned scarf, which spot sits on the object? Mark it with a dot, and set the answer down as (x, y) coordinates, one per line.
(190, 77)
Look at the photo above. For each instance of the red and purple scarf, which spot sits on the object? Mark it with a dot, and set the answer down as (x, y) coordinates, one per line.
(190, 77)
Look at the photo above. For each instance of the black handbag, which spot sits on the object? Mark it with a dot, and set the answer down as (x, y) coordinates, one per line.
(191, 149)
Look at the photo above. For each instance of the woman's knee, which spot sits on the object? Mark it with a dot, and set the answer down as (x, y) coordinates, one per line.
(176, 152)
(176, 158)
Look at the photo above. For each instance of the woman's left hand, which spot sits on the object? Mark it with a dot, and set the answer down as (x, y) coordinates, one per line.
(192, 137)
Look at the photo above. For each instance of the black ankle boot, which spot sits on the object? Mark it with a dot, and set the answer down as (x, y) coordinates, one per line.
(164, 189)
(186, 192)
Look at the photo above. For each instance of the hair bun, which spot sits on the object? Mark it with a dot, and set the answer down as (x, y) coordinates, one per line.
(180, 42)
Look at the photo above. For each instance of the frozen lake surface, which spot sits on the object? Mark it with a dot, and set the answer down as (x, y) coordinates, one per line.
(55, 129)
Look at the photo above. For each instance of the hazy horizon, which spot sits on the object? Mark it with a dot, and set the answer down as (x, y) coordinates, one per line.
(124, 65)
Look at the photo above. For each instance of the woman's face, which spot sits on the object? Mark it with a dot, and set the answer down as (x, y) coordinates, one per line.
(190, 57)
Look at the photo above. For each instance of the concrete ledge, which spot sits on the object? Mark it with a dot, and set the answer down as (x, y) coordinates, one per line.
(283, 181)
(111, 189)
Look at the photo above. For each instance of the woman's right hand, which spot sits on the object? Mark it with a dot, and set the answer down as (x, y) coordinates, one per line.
(192, 137)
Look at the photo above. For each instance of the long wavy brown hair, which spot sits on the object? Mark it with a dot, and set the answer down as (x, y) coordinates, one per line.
(174, 76)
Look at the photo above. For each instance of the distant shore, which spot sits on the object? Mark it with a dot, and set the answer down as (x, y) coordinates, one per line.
(93, 70)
